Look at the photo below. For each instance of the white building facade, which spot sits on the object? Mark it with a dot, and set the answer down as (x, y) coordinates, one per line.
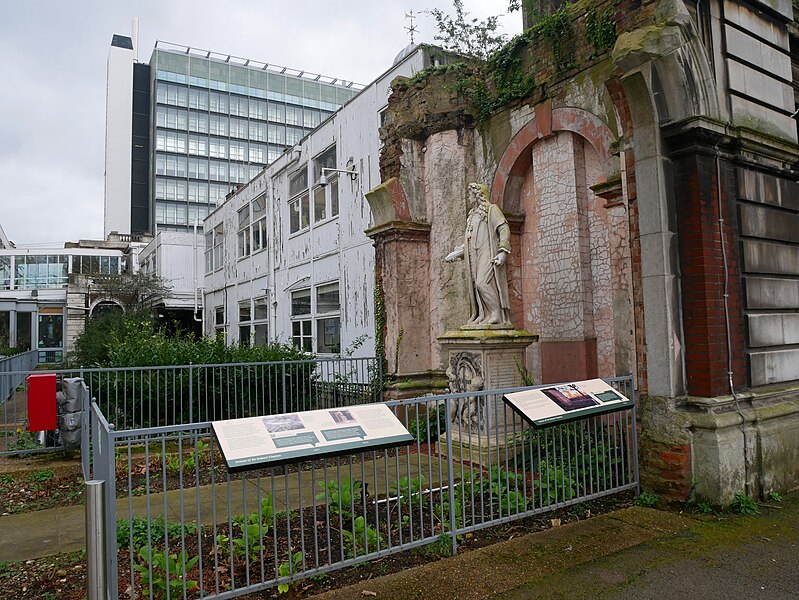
(286, 259)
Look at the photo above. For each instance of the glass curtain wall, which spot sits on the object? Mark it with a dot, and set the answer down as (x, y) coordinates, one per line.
(217, 124)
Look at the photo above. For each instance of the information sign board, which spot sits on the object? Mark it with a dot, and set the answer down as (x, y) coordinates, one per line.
(564, 402)
(257, 442)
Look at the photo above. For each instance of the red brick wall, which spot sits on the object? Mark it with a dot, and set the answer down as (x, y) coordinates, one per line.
(702, 274)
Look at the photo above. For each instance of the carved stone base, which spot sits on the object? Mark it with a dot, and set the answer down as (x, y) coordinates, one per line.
(482, 360)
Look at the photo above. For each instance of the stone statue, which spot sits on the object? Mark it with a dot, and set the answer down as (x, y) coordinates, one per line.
(486, 246)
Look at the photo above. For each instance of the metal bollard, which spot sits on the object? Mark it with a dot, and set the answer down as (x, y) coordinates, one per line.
(96, 563)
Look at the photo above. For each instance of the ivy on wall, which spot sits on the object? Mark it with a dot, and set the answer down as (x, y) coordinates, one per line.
(601, 29)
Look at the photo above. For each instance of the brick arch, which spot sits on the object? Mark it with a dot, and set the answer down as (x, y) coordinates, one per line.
(517, 158)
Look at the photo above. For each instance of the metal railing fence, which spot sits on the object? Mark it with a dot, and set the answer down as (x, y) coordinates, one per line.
(473, 465)
(14, 437)
(141, 397)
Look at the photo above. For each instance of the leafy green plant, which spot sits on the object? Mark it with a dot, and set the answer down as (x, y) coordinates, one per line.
(361, 538)
(42, 475)
(775, 497)
(704, 508)
(26, 440)
(744, 505)
(647, 499)
(248, 532)
(289, 567)
(138, 528)
(465, 35)
(601, 30)
(164, 575)
(441, 548)
(554, 483)
(341, 498)
(432, 425)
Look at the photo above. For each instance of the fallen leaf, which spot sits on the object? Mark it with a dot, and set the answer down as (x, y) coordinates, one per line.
(368, 593)
(555, 522)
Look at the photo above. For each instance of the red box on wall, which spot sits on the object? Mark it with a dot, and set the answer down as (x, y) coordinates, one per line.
(41, 402)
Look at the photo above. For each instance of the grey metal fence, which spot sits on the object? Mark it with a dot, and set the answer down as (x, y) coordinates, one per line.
(473, 465)
(14, 435)
(143, 397)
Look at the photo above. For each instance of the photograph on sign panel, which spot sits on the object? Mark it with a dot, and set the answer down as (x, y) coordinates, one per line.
(342, 416)
(277, 423)
(569, 397)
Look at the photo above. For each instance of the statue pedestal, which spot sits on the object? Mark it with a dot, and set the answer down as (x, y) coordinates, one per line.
(483, 359)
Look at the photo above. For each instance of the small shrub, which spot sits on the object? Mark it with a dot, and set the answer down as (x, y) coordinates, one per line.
(744, 505)
(647, 499)
(775, 497)
(428, 429)
(441, 548)
(165, 573)
(289, 567)
(42, 475)
(705, 508)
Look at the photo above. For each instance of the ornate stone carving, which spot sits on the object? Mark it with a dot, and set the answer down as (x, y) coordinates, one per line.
(465, 374)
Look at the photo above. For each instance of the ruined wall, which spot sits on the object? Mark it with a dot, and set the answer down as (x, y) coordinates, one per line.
(649, 185)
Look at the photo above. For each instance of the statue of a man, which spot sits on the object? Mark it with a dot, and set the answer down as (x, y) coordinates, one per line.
(486, 246)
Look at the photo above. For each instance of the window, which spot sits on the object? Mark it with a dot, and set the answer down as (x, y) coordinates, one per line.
(198, 192)
(217, 148)
(5, 277)
(325, 160)
(198, 169)
(238, 128)
(198, 99)
(173, 118)
(218, 172)
(298, 181)
(319, 205)
(45, 271)
(170, 141)
(198, 145)
(301, 326)
(258, 131)
(259, 223)
(276, 134)
(219, 320)
(258, 109)
(299, 213)
(293, 136)
(238, 150)
(276, 112)
(238, 106)
(244, 232)
(257, 153)
(293, 115)
(328, 322)
(217, 125)
(333, 197)
(245, 318)
(209, 252)
(260, 321)
(218, 102)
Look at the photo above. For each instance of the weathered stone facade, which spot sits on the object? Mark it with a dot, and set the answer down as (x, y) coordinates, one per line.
(650, 185)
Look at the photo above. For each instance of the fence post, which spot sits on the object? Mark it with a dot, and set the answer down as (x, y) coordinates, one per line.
(191, 393)
(451, 479)
(95, 541)
(283, 364)
(110, 513)
(634, 427)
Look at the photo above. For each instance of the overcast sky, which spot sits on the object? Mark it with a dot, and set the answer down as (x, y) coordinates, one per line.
(53, 73)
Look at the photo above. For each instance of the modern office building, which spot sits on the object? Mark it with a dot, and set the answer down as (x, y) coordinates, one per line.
(183, 130)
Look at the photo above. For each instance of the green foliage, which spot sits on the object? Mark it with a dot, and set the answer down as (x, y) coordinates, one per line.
(601, 30)
(158, 529)
(409, 496)
(775, 497)
(744, 505)
(463, 35)
(434, 424)
(554, 483)
(247, 534)
(134, 291)
(558, 31)
(499, 487)
(441, 548)
(341, 498)
(172, 462)
(25, 440)
(705, 508)
(593, 452)
(361, 538)
(42, 475)
(647, 499)
(164, 573)
(289, 567)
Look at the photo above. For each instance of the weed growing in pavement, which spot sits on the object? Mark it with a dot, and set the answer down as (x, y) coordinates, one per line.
(775, 497)
(744, 505)
(647, 499)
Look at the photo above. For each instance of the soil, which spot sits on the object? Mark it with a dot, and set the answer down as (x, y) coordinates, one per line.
(63, 577)
(40, 482)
